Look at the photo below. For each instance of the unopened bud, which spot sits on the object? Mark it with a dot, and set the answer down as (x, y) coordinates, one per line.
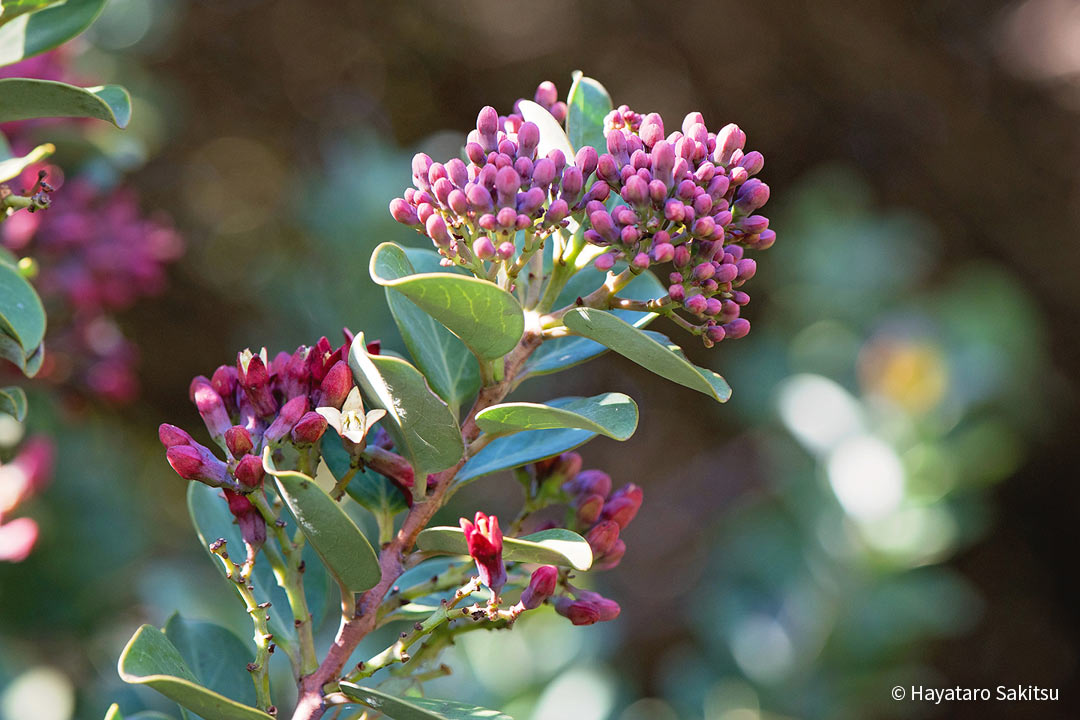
(623, 505)
(541, 586)
(309, 429)
(249, 471)
(238, 440)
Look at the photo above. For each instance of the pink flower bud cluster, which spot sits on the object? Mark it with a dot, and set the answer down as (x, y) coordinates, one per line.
(472, 211)
(255, 404)
(20, 479)
(97, 256)
(690, 203)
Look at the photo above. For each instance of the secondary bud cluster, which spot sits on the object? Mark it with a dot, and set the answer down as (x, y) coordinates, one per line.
(255, 404)
(21, 478)
(472, 211)
(691, 202)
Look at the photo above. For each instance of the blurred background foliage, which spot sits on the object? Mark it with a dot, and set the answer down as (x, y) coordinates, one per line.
(887, 499)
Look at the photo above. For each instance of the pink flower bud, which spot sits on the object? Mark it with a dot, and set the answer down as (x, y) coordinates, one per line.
(403, 212)
(604, 262)
(506, 250)
(309, 429)
(728, 140)
(753, 162)
(437, 231)
(746, 268)
(507, 183)
(290, 413)
(696, 304)
(651, 130)
(737, 328)
(546, 94)
(677, 292)
(528, 137)
(171, 436)
(211, 407)
(251, 522)
(662, 252)
(623, 505)
(483, 248)
(726, 273)
(238, 440)
(255, 380)
(602, 537)
(589, 508)
(194, 462)
(249, 471)
(484, 540)
(612, 557)
(541, 586)
(606, 609)
(715, 333)
(588, 482)
(487, 125)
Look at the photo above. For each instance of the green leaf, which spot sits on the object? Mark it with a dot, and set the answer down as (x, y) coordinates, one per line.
(13, 402)
(552, 136)
(565, 352)
(11, 9)
(367, 487)
(345, 551)
(588, 104)
(446, 362)
(23, 99)
(628, 341)
(150, 659)
(22, 316)
(212, 520)
(523, 448)
(33, 34)
(417, 708)
(557, 546)
(216, 657)
(486, 318)
(12, 166)
(612, 414)
(423, 428)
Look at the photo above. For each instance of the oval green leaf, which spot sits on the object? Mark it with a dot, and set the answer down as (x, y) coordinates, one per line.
(30, 35)
(612, 414)
(344, 550)
(216, 657)
(13, 402)
(557, 546)
(552, 136)
(416, 708)
(150, 659)
(212, 520)
(635, 345)
(486, 318)
(446, 362)
(14, 165)
(21, 314)
(588, 104)
(24, 99)
(422, 426)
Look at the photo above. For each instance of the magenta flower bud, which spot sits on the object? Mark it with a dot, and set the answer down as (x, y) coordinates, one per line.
(752, 195)
(559, 158)
(641, 261)
(249, 471)
(692, 119)
(541, 586)
(696, 304)
(589, 508)
(740, 298)
(543, 172)
(211, 408)
(559, 111)
(484, 540)
(752, 162)
(289, 414)
(403, 212)
(713, 306)
(171, 436)
(487, 127)
(677, 292)
(238, 440)
(755, 224)
(765, 240)
(703, 227)
(437, 231)
(522, 222)
(424, 211)
(604, 262)
(598, 192)
(507, 183)
(475, 152)
(309, 429)
(737, 328)
(457, 202)
(528, 137)
(529, 202)
(488, 222)
(682, 256)
(612, 557)
(607, 169)
(674, 210)
(254, 378)
(224, 382)
(442, 189)
(703, 204)
(483, 248)
(629, 236)
(557, 212)
(457, 172)
(588, 482)
(715, 333)
(640, 161)
(636, 191)
(606, 609)
(578, 612)
(662, 252)
(479, 197)
(421, 165)
(336, 385)
(602, 223)
(726, 273)
(746, 268)
(738, 176)
(506, 250)
(728, 140)
(704, 271)
(586, 160)
(572, 182)
(602, 537)
(651, 130)
(506, 218)
(623, 504)
(729, 310)
(195, 462)
(546, 94)
(657, 193)
(616, 146)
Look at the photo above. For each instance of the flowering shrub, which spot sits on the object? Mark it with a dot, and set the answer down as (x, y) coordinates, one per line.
(545, 247)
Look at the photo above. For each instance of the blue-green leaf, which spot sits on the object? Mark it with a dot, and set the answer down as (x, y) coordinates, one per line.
(612, 414)
(24, 99)
(216, 657)
(13, 402)
(417, 708)
(588, 104)
(30, 35)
